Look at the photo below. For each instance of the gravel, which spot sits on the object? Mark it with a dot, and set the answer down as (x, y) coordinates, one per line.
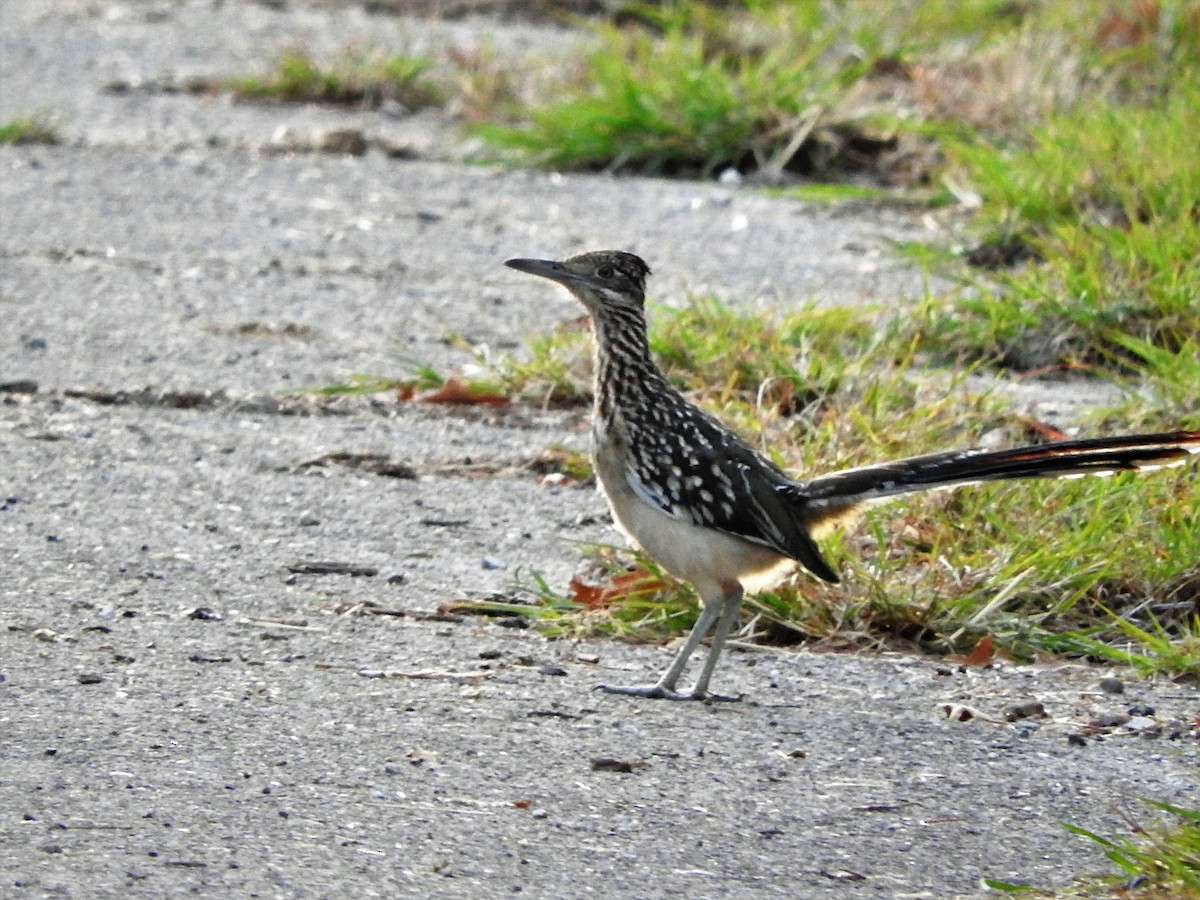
(225, 663)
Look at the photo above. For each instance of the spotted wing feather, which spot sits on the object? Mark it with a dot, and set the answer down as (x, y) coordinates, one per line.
(701, 473)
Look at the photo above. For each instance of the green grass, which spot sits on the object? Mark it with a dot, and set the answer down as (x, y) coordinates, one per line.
(691, 86)
(357, 78)
(28, 130)
(1105, 200)
(1161, 861)
(1075, 128)
(695, 90)
(1093, 197)
(842, 194)
(718, 354)
(1171, 378)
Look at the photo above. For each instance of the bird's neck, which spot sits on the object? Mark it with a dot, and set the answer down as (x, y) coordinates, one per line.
(625, 373)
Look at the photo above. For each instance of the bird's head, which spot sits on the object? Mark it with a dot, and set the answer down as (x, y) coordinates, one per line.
(600, 279)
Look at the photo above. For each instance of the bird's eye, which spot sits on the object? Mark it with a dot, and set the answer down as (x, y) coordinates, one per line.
(605, 272)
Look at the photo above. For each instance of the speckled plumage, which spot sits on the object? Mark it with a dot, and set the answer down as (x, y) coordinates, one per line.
(712, 510)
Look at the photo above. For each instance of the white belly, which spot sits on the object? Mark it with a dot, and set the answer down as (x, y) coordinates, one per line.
(709, 559)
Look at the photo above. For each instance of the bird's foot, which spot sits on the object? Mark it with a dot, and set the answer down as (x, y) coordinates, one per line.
(649, 691)
(662, 692)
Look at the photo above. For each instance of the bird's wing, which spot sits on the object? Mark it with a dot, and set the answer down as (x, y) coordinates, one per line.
(705, 475)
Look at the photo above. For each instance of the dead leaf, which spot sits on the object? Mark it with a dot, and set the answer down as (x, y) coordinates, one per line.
(635, 581)
(981, 653)
(624, 584)
(1042, 430)
(590, 595)
(457, 392)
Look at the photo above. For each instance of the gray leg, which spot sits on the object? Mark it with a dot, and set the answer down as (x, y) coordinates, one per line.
(720, 608)
(664, 688)
(729, 608)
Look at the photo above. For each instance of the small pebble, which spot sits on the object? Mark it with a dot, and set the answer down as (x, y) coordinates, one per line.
(1174, 729)
(1027, 710)
(1144, 724)
(1026, 728)
(1109, 720)
(607, 764)
(552, 670)
(1112, 685)
(1076, 740)
(89, 678)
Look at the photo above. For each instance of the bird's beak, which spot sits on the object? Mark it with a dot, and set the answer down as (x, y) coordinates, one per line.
(547, 268)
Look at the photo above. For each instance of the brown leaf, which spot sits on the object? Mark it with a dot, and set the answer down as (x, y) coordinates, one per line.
(1042, 430)
(590, 595)
(456, 391)
(625, 584)
(981, 653)
(635, 581)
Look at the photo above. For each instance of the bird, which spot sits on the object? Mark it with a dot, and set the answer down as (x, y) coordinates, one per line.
(712, 510)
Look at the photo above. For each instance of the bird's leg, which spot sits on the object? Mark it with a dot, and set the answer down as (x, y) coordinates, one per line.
(729, 604)
(664, 688)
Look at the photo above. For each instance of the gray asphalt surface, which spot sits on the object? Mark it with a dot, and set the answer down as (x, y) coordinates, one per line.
(183, 712)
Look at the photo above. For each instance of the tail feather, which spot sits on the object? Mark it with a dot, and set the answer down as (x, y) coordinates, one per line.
(836, 493)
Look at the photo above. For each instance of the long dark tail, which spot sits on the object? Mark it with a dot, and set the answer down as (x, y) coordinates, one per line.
(832, 496)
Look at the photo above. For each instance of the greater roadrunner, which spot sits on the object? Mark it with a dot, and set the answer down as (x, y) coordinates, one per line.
(713, 511)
